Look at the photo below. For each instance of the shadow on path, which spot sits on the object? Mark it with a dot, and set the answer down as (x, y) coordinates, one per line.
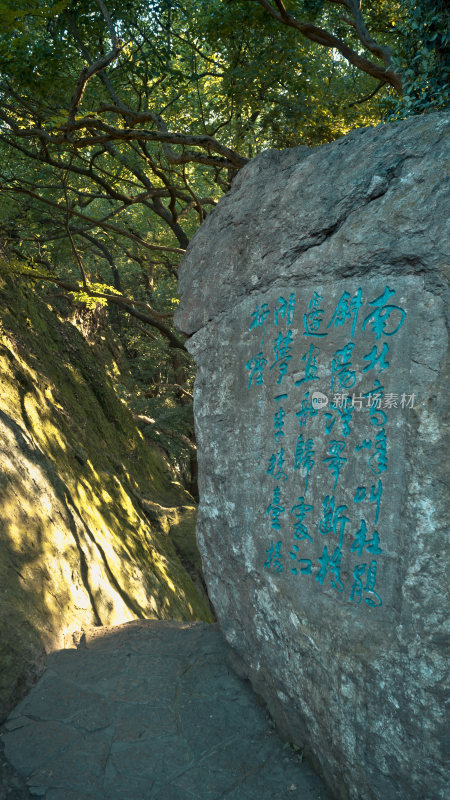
(149, 710)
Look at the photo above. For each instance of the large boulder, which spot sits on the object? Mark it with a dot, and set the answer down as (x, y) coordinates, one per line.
(315, 296)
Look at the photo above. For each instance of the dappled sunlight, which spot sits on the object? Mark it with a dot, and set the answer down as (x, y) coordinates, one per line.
(94, 574)
(35, 527)
(106, 497)
(45, 431)
(161, 565)
(21, 394)
(28, 518)
(86, 506)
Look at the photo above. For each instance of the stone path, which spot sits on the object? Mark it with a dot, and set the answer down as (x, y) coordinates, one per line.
(148, 711)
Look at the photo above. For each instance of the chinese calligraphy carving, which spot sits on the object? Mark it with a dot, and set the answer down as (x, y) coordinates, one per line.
(336, 535)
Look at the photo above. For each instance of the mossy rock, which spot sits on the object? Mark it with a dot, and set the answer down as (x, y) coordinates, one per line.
(77, 544)
(182, 533)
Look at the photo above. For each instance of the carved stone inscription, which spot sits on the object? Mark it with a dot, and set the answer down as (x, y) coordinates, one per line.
(324, 365)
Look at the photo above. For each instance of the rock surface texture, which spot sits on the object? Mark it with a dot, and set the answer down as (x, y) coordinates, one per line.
(314, 294)
(148, 710)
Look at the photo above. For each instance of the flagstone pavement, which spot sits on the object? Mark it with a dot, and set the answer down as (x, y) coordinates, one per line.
(148, 710)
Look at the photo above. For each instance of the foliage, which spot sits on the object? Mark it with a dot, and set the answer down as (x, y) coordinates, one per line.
(424, 58)
(303, 94)
(354, 34)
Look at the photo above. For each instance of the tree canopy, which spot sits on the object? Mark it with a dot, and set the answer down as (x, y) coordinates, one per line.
(122, 124)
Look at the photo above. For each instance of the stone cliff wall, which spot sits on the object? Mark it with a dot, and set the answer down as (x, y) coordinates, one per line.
(315, 293)
(88, 512)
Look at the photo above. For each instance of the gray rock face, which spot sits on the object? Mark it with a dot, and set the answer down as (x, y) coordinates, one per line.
(315, 293)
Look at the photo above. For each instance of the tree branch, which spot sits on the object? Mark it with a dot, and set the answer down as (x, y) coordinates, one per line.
(123, 302)
(86, 74)
(226, 157)
(322, 37)
(368, 96)
(112, 31)
(94, 223)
